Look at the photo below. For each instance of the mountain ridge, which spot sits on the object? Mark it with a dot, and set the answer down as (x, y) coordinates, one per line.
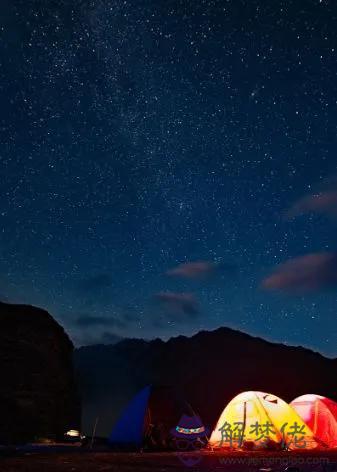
(205, 332)
(39, 396)
(209, 368)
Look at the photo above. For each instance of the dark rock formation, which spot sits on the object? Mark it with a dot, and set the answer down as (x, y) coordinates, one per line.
(210, 368)
(37, 392)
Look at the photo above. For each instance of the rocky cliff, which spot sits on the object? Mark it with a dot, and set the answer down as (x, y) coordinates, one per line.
(37, 390)
(210, 368)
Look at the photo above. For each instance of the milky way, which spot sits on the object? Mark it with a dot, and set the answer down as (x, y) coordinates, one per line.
(137, 136)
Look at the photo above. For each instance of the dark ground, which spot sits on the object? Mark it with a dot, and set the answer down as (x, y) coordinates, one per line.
(83, 461)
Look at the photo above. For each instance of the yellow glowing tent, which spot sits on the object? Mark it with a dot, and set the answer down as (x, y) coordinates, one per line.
(254, 420)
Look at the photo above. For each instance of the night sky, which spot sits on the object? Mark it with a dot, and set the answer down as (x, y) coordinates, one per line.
(160, 160)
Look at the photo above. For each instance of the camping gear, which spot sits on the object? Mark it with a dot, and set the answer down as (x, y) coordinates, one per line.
(189, 427)
(148, 419)
(73, 436)
(190, 433)
(320, 414)
(255, 420)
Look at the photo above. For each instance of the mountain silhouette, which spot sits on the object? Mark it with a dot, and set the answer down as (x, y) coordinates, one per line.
(209, 368)
(38, 395)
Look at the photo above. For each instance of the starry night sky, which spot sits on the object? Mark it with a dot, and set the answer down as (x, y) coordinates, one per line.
(137, 135)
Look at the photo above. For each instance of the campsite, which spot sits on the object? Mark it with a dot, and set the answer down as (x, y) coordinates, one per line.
(176, 422)
(256, 431)
(168, 235)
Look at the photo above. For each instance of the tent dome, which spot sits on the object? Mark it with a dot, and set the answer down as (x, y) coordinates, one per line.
(260, 420)
(149, 418)
(320, 414)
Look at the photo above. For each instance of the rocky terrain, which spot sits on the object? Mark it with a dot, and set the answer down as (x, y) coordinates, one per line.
(91, 461)
(37, 392)
(210, 368)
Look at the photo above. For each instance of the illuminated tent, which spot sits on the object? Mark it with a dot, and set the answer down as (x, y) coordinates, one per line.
(320, 414)
(153, 407)
(254, 420)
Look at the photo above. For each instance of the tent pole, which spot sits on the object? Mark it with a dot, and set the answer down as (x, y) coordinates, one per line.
(93, 433)
(315, 417)
(244, 422)
(196, 414)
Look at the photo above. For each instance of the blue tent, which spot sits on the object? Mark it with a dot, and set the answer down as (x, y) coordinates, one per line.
(160, 406)
(129, 429)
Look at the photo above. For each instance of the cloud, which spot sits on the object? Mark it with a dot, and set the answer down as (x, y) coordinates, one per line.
(87, 321)
(193, 270)
(95, 283)
(4, 298)
(179, 303)
(323, 203)
(92, 336)
(110, 338)
(198, 269)
(303, 274)
(130, 314)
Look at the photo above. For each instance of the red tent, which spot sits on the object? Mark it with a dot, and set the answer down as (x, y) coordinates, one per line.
(320, 414)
